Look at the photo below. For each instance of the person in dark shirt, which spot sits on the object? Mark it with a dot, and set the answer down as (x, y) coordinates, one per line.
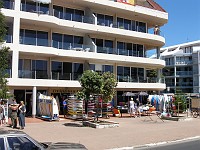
(65, 108)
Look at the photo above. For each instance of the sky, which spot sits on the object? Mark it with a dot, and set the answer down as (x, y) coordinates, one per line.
(183, 21)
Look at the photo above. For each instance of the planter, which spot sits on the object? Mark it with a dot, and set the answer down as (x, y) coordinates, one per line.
(101, 124)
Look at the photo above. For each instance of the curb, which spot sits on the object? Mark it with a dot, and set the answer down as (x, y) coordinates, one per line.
(154, 144)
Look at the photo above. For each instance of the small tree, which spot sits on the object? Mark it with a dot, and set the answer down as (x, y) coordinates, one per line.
(2, 24)
(95, 84)
(109, 85)
(4, 54)
(92, 84)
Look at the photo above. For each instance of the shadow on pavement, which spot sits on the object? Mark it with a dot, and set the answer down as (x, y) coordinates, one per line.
(73, 124)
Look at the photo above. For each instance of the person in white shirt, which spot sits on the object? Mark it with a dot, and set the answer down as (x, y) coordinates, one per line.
(132, 108)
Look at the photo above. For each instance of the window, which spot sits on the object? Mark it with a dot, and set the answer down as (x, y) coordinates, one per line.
(30, 37)
(78, 41)
(120, 23)
(8, 4)
(68, 42)
(57, 40)
(108, 68)
(141, 27)
(108, 20)
(109, 46)
(29, 6)
(22, 143)
(58, 12)
(40, 68)
(56, 66)
(2, 144)
(69, 13)
(44, 8)
(42, 38)
(127, 24)
(78, 15)
(78, 70)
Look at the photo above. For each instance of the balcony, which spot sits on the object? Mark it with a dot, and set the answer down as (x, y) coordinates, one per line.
(184, 84)
(184, 73)
(121, 78)
(7, 4)
(27, 74)
(33, 74)
(8, 38)
(183, 62)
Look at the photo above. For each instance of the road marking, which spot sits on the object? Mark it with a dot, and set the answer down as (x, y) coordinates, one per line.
(155, 144)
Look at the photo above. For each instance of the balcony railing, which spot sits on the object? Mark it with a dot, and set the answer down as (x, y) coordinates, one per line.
(33, 74)
(8, 73)
(184, 73)
(183, 84)
(44, 75)
(8, 38)
(183, 62)
(121, 78)
(8, 4)
(75, 76)
(65, 76)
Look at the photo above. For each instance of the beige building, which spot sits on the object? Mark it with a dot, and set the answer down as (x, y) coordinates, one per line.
(52, 42)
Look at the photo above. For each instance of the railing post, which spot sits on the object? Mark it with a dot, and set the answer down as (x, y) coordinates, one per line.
(35, 74)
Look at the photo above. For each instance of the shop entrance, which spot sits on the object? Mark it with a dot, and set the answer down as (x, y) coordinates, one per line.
(28, 102)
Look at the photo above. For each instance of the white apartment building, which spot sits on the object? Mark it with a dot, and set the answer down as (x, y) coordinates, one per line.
(182, 70)
(52, 42)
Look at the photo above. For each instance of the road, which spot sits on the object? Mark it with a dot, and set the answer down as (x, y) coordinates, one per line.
(183, 145)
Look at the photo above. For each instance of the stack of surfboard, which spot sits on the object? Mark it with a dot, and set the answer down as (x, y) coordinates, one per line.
(75, 108)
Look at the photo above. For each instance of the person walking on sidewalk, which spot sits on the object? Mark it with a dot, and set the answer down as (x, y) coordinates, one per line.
(21, 111)
(132, 108)
(65, 110)
(2, 115)
(14, 109)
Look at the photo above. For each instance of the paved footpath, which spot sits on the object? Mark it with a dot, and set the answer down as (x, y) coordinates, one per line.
(130, 133)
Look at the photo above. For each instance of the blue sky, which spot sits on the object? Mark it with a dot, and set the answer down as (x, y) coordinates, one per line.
(183, 21)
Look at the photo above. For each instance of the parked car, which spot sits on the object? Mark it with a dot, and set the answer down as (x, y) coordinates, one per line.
(18, 140)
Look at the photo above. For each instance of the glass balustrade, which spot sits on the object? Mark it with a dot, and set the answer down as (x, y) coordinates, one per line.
(8, 4)
(8, 38)
(182, 73)
(122, 78)
(33, 74)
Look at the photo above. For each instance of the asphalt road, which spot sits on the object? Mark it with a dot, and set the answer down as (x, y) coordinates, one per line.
(184, 145)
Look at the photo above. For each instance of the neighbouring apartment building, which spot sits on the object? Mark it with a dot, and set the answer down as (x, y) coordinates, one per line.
(52, 42)
(182, 70)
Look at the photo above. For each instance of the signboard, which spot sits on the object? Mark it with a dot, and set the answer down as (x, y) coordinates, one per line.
(131, 2)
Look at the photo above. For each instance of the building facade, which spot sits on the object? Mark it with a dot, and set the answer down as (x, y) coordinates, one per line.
(182, 67)
(52, 42)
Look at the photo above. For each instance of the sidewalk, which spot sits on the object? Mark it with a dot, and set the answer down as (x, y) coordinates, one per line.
(130, 133)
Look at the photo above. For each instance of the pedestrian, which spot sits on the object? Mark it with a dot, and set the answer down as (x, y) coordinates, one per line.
(2, 115)
(65, 108)
(156, 30)
(137, 107)
(132, 108)
(14, 109)
(21, 112)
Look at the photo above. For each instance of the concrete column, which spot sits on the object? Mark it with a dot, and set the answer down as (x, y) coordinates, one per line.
(175, 69)
(159, 75)
(15, 61)
(17, 5)
(158, 52)
(49, 68)
(34, 102)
